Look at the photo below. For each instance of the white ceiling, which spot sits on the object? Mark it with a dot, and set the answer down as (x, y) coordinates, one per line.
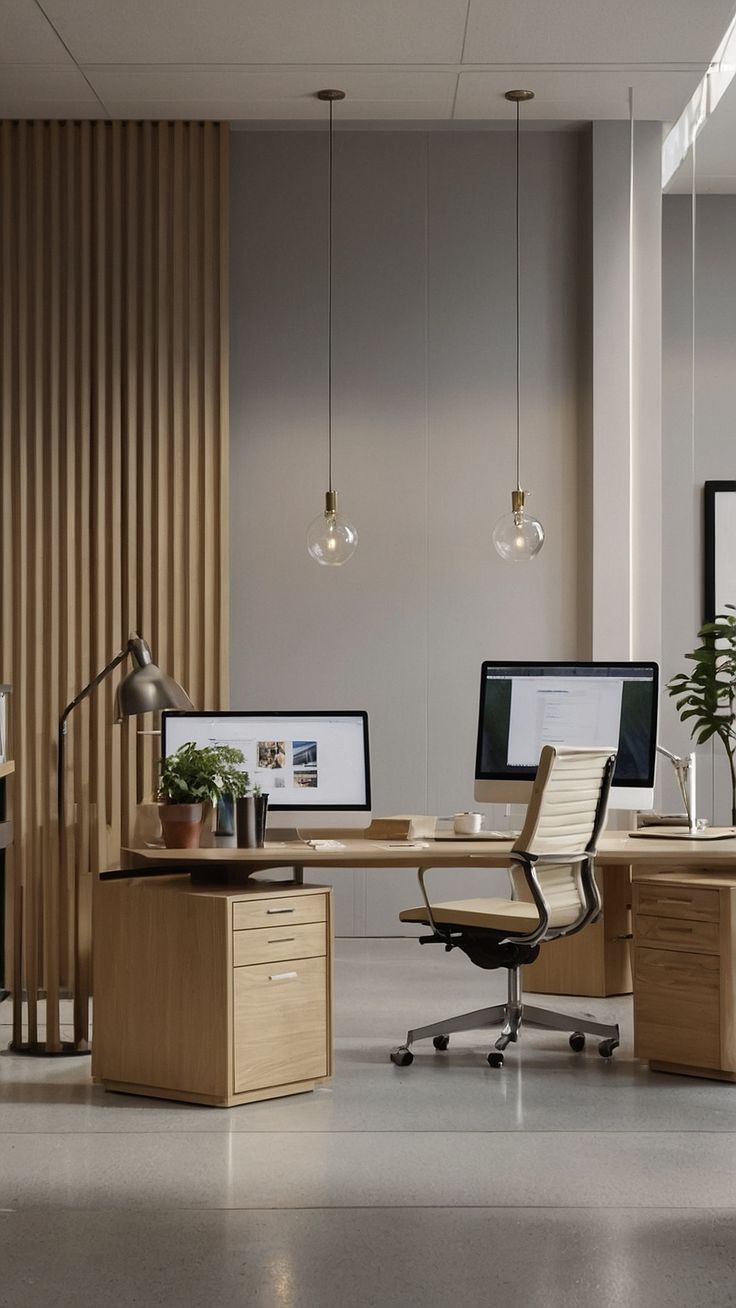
(412, 61)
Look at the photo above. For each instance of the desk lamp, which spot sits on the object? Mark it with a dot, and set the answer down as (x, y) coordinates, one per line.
(685, 773)
(145, 689)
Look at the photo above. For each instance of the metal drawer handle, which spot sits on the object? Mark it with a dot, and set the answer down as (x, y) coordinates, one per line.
(282, 940)
(279, 910)
(283, 976)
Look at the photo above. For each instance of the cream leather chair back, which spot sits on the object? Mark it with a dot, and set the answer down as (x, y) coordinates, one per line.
(561, 817)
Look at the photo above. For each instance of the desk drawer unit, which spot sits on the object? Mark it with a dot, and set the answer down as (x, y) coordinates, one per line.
(684, 975)
(211, 994)
(281, 993)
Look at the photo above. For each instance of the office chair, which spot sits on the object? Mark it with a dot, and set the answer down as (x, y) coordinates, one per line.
(554, 894)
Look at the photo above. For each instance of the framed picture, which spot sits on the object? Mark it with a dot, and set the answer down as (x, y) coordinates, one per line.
(720, 546)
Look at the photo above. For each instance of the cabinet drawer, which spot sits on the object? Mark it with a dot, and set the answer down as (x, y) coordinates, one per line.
(281, 909)
(695, 903)
(270, 944)
(677, 933)
(280, 1026)
(677, 1007)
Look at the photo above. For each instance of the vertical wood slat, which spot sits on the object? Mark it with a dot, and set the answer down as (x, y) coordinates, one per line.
(113, 453)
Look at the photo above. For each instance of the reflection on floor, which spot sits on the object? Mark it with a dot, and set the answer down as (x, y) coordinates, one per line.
(558, 1180)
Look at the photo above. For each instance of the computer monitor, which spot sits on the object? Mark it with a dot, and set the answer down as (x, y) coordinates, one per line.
(524, 706)
(301, 760)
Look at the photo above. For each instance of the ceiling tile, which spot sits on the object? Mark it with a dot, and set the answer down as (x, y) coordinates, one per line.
(246, 112)
(60, 111)
(128, 84)
(50, 87)
(261, 31)
(595, 31)
(28, 37)
(575, 94)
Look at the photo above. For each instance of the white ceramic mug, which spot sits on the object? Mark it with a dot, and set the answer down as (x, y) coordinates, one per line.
(466, 824)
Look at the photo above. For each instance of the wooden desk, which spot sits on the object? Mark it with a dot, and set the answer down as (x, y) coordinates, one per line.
(596, 962)
(676, 990)
(616, 849)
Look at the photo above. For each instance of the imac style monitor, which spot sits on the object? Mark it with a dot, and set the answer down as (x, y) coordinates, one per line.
(301, 760)
(524, 706)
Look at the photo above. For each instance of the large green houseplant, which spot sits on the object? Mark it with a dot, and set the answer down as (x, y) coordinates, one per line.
(705, 695)
(191, 781)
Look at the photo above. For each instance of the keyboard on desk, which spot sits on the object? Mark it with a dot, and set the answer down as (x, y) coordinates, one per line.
(475, 835)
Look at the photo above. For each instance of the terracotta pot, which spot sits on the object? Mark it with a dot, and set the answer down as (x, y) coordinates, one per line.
(182, 824)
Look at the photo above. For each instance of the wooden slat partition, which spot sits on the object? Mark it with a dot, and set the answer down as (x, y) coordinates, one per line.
(113, 456)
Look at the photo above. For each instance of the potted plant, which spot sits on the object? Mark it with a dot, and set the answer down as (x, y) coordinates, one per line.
(707, 692)
(191, 780)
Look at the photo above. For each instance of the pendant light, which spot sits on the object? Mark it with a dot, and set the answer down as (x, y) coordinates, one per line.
(518, 536)
(331, 538)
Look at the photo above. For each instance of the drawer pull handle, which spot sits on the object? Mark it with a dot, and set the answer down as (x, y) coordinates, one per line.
(279, 910)
(283, 940)
(282, 976)
(687, 929)
(684, 899)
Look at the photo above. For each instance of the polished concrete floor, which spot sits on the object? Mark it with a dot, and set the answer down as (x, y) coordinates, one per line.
(560, 1180)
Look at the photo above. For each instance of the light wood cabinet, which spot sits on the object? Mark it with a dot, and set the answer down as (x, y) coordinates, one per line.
(214, 995)
(595, 961)
(684, 973)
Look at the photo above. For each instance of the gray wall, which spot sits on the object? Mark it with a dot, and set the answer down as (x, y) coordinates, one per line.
(688, 463)
(424, 427)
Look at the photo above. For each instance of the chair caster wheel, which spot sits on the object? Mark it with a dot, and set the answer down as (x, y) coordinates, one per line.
(402, 1057)
(606, 1048)
(577, 1041)
(441, 1042)
(495, 1058)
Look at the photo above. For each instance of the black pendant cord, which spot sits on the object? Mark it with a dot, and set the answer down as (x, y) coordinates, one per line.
(518, 314)
(329, 320)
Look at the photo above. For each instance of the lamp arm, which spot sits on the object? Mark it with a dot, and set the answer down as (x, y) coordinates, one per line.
(685, 773)
(78, 699)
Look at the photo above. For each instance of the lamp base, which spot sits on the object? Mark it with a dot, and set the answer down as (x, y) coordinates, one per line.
(37, 1048)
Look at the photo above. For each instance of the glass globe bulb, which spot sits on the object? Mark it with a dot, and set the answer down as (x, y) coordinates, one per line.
(331, 538)
(517, 536)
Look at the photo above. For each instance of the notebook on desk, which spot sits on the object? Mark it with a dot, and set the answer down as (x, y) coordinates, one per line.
(683, 833)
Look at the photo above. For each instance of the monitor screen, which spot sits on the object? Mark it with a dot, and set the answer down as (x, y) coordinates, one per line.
(300, 760)
(524, 706)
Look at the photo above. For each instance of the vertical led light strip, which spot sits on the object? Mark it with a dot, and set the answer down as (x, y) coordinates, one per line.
(632, 609)
(427, 475)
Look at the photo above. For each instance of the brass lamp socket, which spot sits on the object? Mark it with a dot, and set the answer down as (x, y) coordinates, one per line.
(517, 500)
(330, 503)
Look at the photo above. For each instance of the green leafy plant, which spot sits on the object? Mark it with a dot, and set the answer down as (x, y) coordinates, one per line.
(706, 693)
(195, 776)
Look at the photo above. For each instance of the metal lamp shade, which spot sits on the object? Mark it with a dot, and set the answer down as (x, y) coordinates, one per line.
(146, 689)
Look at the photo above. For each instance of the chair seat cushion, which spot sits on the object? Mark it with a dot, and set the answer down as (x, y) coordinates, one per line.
(494, 914)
